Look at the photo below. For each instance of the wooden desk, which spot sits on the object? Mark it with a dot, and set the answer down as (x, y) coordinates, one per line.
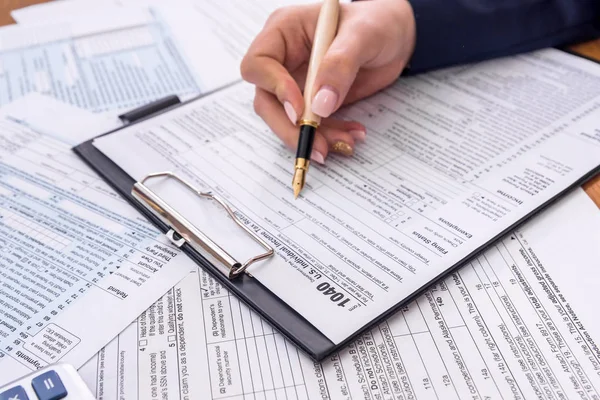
(6, 6)
(590, 49)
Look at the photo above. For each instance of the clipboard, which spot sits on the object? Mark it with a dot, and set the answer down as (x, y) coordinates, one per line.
(210, 256)
(235, 276)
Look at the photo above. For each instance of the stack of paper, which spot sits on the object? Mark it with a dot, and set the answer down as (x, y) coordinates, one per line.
(78, 264)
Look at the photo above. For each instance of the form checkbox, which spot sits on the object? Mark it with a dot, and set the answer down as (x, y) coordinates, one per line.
(143, 343)
(171, 338)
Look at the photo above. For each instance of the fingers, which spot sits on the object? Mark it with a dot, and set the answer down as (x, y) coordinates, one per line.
(332, 136)
(272, 77)
(370, 81)
(338, 140)
(339, 68)
(276, 64)
(279, 48)
(269, 109)
(353, 128)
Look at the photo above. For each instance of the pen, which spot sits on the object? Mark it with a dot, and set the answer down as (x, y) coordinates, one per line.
(324, 35)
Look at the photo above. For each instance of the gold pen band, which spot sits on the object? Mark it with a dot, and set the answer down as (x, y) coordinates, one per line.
(309, 122)
(302, 163)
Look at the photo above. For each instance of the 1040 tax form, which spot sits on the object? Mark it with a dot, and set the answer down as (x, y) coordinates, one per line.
(452, 159)
(515, 323)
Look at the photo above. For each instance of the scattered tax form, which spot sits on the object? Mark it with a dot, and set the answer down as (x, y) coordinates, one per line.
(234, 23)
(515, 323)
(113, 60)
(77, 263)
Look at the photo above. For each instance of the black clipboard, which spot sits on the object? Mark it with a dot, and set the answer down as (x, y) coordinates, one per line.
(261, 300)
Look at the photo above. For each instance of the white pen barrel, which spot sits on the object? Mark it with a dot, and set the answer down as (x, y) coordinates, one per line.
(324, 35)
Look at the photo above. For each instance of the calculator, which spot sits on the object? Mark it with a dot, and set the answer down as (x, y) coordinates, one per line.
(55, 382)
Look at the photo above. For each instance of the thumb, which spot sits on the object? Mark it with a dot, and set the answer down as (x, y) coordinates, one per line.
(337, 72)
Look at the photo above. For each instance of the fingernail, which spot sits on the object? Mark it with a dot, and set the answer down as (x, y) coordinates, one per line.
(317, 157)
(358, 135)
(342, 148)
(325, 101)
(291, 113)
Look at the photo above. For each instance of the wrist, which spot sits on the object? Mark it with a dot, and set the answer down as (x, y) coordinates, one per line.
(403, 20)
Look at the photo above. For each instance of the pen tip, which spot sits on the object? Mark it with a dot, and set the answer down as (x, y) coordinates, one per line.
(298, 182)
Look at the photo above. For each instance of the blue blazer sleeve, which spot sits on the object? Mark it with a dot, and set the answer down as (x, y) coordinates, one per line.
(453, 32)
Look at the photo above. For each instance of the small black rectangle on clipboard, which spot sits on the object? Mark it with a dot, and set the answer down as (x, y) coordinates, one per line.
(149, 109)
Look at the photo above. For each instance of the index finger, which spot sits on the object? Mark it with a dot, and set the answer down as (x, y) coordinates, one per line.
(279, 48)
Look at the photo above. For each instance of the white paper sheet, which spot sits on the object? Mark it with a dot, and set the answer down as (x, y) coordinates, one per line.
(516, 323)
(112, 60)
(452, 159)
(77, 263)
(235, 22)
(67, 10)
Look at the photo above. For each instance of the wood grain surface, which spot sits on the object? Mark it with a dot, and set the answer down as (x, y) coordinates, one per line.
(589, 49)
(6, 6)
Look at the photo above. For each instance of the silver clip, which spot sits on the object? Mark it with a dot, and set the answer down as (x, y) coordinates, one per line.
(183, 231)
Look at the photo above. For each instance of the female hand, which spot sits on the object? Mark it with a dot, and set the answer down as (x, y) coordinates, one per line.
(374, 42)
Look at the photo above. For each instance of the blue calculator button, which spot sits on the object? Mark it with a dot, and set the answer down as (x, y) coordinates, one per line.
(48, 386)
(15, 393)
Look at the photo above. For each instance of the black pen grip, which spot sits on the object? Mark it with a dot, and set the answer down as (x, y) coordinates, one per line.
(305, 141)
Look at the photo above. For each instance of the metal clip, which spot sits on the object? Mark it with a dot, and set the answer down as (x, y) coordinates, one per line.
(183, 231)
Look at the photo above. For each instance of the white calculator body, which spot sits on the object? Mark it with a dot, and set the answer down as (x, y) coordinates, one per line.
(55, 382)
